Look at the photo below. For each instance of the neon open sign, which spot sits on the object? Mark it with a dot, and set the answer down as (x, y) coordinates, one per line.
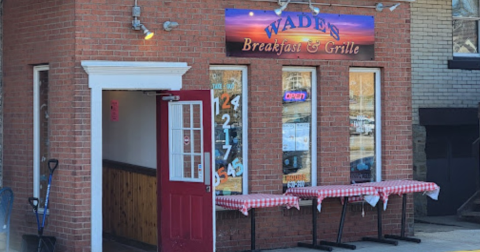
(295, 96)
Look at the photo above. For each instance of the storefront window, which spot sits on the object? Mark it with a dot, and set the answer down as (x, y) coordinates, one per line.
(298, 127)
(364, 125)
(41, 130)
(230, 122)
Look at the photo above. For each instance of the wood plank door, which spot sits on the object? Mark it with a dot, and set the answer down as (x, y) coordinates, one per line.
(184, 141)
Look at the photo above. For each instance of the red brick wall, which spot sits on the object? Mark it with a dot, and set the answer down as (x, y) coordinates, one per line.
(39, 32)
(62, 33)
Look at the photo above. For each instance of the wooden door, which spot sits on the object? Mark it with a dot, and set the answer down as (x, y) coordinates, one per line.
(184, 141)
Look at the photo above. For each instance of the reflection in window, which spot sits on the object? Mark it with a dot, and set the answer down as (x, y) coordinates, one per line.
(44, 135)
(227, 85)
(362, 126)
(297, 128)
(465, 26)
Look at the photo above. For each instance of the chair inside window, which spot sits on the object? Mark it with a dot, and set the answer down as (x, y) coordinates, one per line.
(6, 202)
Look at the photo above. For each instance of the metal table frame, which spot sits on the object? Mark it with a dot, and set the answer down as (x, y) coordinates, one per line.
(339, 243)
(402, 236)
(321, 246)
(252, 231)
(402, 230)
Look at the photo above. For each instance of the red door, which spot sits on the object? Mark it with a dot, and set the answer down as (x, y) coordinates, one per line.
(185, 196)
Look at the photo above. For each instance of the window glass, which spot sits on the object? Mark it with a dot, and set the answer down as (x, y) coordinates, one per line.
(297, 129)
(362, 127)
(465, 26)
(465, 36)
(44, 139)
(230, 137)
(465, 8)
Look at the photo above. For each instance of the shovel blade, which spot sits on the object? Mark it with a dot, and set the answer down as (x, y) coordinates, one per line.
(30, 243)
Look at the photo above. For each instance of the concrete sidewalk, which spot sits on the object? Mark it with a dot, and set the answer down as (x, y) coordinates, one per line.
(438, 234)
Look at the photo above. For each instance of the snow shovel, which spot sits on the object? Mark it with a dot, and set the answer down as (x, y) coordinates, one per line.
(40, 243)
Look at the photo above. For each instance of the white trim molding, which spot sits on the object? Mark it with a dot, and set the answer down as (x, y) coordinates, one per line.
(135, 75)
(119, 75)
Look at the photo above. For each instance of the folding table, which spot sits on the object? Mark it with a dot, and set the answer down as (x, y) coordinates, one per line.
(318, 193)
(399, 187)
(252, 201)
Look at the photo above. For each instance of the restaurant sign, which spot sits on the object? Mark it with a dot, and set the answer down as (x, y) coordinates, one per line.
(263, 34)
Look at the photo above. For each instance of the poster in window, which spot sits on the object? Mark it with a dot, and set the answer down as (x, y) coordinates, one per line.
(302, 136)
(288, 133)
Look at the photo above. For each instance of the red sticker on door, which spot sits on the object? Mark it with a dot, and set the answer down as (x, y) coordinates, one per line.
(186, 140)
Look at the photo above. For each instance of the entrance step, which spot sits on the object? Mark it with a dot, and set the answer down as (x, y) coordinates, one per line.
(470, 210)
(471, 214)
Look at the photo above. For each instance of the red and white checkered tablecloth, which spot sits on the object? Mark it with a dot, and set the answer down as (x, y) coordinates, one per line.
(400, 187)
(246, 202)
(335, 191)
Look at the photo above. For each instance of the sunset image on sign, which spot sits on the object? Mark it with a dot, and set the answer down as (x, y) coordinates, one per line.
(263, 34)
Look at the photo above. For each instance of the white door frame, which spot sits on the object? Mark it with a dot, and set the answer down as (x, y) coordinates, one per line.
(119, 75)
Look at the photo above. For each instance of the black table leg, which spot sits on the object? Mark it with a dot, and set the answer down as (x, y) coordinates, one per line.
(402, 232)
(252, 231)
(380, 238)
(340, 231)
(314, 244)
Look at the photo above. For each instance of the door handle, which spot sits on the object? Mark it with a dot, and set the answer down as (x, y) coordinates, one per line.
(207, 172)
(207, 169)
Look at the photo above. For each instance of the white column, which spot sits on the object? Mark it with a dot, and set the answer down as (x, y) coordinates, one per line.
(96, 169)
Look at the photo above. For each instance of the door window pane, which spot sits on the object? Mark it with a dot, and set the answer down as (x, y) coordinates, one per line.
(186, 142)
(362, 127)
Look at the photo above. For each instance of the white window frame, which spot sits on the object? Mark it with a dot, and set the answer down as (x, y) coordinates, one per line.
(378, 117)
(313, 124)
(36, 129)
(471, 55)
(244, 70)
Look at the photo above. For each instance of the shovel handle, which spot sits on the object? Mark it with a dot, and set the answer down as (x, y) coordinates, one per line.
(33, 202)
(50, 162)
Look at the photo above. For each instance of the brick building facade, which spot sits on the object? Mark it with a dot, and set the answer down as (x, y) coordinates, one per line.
(63, 34)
